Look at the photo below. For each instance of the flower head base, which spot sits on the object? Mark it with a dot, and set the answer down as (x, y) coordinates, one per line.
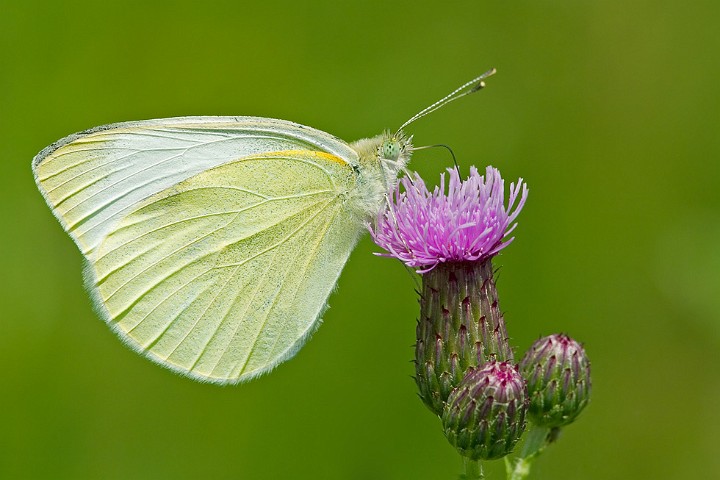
(461, 327)
(423, 228)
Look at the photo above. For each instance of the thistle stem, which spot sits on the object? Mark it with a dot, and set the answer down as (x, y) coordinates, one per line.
(473, 469)
(537, 440)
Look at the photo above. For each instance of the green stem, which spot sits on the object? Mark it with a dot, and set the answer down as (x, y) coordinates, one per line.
(538, 438)
(536, 441)
(517, 469)
(473, 469)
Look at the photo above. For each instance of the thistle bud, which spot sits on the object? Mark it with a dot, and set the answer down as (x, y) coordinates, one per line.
(485, 415)
(557, 372)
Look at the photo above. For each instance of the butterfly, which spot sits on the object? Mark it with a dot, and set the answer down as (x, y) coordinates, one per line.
(212, 244)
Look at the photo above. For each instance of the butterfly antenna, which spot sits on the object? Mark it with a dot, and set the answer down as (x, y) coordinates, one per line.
(474, 85)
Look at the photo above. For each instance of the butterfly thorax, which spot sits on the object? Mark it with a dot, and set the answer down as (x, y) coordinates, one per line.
(381, 159)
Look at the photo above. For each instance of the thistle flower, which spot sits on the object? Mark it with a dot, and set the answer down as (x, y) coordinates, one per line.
(468, 224)
(557, 372)
(450, 239)
(485, 414)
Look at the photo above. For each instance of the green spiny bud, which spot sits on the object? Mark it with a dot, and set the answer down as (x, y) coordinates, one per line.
(557, 372)
(485, 415)
(460, 327)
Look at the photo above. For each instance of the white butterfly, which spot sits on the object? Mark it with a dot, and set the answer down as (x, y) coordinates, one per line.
(213, 243)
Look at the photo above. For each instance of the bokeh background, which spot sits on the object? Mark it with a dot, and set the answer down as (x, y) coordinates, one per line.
(609, 109)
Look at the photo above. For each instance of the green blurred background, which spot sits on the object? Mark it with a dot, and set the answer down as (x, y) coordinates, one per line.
(611, 112)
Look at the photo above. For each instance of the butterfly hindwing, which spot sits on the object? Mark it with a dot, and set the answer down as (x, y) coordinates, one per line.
(226, 274)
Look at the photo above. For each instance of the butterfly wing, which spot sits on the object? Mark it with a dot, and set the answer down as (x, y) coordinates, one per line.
(224, 274)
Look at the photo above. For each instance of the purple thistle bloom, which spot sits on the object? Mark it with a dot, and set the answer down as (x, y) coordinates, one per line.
(469, 223)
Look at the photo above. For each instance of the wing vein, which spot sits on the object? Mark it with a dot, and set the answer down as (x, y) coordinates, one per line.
(208, 215)
(85, 160)
(168, 256)
(167, 326)
(316, 247)
(197, 320)
(280, 242)
(162, 302)
(237, 213)
(257, 335)
(114, 199)
(185, 150)
(247, 307)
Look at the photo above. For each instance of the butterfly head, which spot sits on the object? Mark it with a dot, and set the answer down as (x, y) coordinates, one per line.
(394, 153)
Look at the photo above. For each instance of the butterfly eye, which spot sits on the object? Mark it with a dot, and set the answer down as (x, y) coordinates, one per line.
(390, 149)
